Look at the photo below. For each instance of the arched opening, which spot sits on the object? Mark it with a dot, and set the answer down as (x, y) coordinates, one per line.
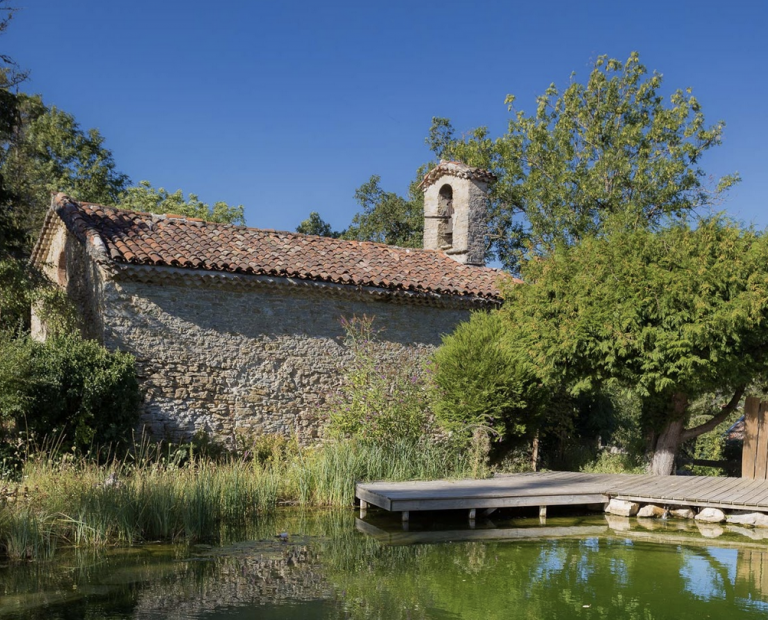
(445, 202)
(61, 268)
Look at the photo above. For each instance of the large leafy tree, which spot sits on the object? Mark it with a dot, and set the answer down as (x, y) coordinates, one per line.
(144, 197)
(672, 314)
(316, 225)
(48, 151)
(387, 217)
(611, 148)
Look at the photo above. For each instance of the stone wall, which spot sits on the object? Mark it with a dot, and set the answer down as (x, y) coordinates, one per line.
(68, 265)
(226, 357)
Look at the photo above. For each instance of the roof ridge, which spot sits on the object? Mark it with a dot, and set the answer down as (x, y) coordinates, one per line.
(174, 216)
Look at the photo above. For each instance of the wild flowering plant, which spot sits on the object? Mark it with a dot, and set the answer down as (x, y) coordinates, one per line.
(383, 394)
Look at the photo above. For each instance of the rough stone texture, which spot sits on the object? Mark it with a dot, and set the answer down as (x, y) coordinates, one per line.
(469, 219)
(755, 519)
(710, 515)
(618, 524)
(294, 575)
(257, 361)
(68, 266)
(650, 511)
(682, 513)
(759, 534)
(236, 355)
(622, 508)
(710, 530)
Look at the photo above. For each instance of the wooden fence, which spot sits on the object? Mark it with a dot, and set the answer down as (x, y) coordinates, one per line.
(754, 458)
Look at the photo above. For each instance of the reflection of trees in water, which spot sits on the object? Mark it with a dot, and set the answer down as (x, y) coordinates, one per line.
(554, 579)
(361, 578)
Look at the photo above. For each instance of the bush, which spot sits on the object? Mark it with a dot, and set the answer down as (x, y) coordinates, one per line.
(478, 381)
(383, 395)
(67, 387)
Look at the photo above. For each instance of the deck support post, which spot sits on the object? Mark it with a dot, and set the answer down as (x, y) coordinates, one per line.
(542, 514)
(363, 508)
(405, 515)
(472, 514)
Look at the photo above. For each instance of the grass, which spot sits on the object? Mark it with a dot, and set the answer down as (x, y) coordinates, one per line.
(151, 496)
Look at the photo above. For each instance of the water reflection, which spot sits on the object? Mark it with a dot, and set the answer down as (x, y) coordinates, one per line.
(328, 569)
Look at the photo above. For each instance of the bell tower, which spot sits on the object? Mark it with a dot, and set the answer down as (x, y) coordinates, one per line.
(455, 208)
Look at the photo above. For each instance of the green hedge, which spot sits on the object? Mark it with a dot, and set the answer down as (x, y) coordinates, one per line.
(68, 388)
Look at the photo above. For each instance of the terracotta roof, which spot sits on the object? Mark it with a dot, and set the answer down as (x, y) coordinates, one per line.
(190, 243)
(456, 169)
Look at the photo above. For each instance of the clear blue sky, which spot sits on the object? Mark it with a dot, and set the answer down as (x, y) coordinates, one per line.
(287, 107)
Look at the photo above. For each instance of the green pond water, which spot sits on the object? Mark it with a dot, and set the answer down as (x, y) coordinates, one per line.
(574, 567)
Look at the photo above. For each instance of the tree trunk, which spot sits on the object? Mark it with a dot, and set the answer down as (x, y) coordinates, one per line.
(663, 463)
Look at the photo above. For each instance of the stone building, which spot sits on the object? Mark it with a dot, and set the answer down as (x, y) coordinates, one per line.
(239, 328)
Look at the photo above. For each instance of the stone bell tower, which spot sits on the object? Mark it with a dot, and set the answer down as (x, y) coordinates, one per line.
(455, 205)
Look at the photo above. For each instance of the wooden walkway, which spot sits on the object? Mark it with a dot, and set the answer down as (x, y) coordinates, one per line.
(562, 488)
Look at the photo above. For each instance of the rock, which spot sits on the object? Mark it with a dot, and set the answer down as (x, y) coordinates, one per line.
(650, 511)
(755, 519)
(618, 524)
(682, 513)
(710, 515)
(709, 530)
(748, 532)
(621, 508)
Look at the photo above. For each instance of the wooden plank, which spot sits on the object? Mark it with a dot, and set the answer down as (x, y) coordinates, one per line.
(374, 499)
(747, 490)
(497, 502)
(760, 498)
(756, 492)
(748, 454)
(722, 493)
(761, 458)
(739, 489)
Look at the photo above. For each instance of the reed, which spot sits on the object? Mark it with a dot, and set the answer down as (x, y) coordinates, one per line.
(151, 496)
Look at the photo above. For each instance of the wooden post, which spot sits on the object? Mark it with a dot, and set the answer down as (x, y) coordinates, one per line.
(761, 458)
(363, 508)
(751, 429)
(472, 514)
(542, 514)
(405, 516)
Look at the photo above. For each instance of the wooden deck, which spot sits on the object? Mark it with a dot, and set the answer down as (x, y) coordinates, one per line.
(563, 488)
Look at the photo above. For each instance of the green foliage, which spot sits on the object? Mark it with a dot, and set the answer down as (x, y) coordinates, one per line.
(21, 287)
(382, 396)
(615, 463)
(479, 383)
(68, 387)
(315, 225)
(610, 149)
(681, 311)
(387, 217)
(146, 198)
(47, 151)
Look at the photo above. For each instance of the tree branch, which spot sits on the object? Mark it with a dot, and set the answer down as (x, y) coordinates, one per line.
(725, 411)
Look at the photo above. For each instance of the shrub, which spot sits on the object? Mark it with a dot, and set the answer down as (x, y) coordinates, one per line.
(68, 387)
(478, 381)
(383, 394)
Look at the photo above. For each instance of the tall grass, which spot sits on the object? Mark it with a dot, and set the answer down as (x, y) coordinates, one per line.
(150, 496)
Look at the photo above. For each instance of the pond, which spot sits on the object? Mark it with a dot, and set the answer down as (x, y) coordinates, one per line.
(327, 568)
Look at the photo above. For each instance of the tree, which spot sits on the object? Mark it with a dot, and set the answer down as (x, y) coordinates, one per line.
(144, 197)
(672, 314)
(387, 217)
(47, 151)
(607, 150)
(315, 225)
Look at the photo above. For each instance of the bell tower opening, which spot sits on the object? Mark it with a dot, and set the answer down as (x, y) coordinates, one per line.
(455, 210)
(445, 206)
